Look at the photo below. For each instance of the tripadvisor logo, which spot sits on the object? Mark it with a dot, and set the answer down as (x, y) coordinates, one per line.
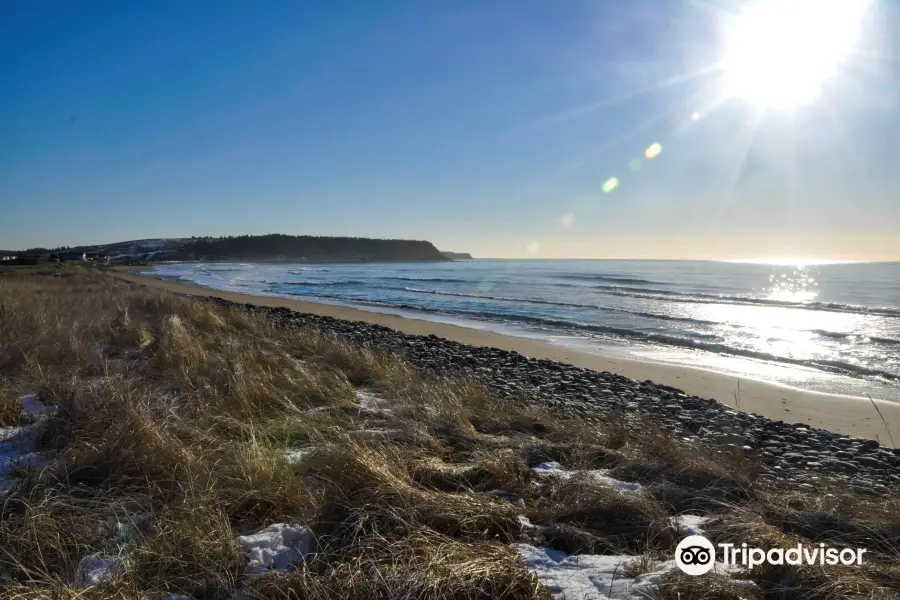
(696, 555)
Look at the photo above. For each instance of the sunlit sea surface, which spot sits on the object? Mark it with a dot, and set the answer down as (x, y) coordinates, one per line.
(831, 327)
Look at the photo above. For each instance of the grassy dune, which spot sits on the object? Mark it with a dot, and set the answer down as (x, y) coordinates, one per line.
(181, 425)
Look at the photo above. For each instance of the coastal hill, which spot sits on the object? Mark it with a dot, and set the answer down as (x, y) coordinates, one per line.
(457, 255)
(310, 248)
(271, 247)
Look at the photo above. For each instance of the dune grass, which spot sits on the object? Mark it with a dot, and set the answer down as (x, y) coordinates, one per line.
(177, 427)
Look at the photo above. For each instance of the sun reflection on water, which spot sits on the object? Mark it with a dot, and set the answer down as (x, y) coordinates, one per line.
(795, 286)
(787, 331)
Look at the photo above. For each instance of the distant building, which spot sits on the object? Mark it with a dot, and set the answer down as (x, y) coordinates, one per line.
(72, 255)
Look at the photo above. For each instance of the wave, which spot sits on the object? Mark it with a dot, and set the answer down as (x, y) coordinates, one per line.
(639, 313)
(710, 343)
(532, 319)
(694, 337)
(701, 298)
(698, 341)
(856, 336)
(365, 301)
(316, 283)
(500, 298)
(610, 278)
(428, 279)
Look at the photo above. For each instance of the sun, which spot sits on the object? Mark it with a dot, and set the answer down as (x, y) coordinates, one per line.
(780, 52)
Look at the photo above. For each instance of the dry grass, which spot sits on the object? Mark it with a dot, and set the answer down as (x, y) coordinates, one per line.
(10, 408)
(712, 586)
(687, 477)
(422, 564)
(615, 523)
(174, 416)
(369, 492)
(181, 542)
(834, 517)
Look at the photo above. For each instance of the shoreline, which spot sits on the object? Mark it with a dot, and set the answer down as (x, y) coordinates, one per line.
(847, 415)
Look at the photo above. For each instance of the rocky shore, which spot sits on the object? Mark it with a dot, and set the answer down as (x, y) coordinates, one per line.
(795, 452)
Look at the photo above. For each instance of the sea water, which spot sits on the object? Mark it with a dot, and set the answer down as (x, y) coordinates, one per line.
(826, 327)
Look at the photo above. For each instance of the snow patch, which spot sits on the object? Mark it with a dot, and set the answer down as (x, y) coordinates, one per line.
(375, 433)
(278, 547)
(600, 475)
(128, 530)
(689, 524)
(32, 407)
(296, 455)
(96, 569)
(371, 405)
(552, 468)
(592, 577)
(19, 445)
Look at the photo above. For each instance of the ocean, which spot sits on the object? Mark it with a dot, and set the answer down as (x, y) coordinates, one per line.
(824, 327)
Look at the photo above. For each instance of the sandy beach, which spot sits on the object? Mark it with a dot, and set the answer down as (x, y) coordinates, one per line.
(843, 414)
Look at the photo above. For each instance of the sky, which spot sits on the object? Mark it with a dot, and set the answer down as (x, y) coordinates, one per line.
(504, 128)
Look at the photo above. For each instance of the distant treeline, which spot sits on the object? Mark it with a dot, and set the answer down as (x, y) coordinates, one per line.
(314, 248)
(35, 252)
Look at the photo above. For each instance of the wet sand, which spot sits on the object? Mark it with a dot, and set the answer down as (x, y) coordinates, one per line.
(843, 414)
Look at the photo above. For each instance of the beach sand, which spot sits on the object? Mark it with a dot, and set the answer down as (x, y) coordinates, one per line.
(843, 414)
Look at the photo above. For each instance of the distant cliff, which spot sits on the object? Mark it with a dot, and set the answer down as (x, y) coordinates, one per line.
(278, 247)
(457, 255)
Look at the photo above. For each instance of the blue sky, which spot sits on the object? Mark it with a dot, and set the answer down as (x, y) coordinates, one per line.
(483, 126)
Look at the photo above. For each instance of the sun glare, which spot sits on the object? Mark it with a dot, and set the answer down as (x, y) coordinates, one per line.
(793, 262)
(779, 52)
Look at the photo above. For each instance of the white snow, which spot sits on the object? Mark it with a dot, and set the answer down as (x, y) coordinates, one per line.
(128, 528)
(600, 475)
(688, 524)
(371, 405)
(31, 406)
(375, 433)
(552, 468)
(592, 577)
(18, 445)
(96, 569)
(297, 454)
(278, 547)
